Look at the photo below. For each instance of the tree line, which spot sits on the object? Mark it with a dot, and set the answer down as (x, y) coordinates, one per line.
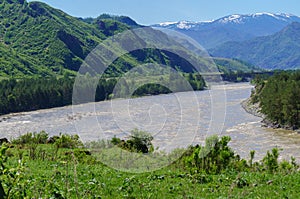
(279, 98)
(28, 94)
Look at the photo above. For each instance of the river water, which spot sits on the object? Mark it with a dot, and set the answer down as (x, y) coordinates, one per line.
(175, 120)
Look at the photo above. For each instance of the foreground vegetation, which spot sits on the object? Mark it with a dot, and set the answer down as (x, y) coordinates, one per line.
(36, 166)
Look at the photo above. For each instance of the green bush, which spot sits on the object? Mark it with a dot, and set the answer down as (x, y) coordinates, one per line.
(139, 142)
(68, 141)
(214, 157)
(40, 138)
(32, 138)
(271, 160)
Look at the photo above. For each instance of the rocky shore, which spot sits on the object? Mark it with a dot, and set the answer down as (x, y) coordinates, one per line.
(254, 109)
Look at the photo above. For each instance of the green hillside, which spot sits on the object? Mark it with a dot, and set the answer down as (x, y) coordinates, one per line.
(122, 19)
(233, 65)
(15, 64)
(38, 39)
(278, 51)
(44, 40)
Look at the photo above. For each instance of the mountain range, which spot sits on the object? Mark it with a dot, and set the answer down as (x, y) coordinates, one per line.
(231, 28)
(36, 39)
(278, 51)
(266, 40)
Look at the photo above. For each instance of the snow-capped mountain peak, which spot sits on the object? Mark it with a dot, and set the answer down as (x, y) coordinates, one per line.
(287, 15)
(241, 19)
(263, 14)
(183, 25)
(230, 19)
(236, 27)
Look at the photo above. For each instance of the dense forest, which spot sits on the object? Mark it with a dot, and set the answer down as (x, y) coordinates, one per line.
(29, 94)
(279, 98)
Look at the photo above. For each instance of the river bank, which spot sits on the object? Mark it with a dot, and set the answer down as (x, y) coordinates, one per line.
(251, 108)
(254, 109)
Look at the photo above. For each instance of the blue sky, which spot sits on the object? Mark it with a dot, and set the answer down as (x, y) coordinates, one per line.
(154, 11)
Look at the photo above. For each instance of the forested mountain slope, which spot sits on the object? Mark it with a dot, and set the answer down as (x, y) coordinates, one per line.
(278, 51)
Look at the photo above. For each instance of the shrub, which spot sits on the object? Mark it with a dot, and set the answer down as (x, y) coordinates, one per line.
(115, 140)
(139, 142)
(271, 160)
(32, 138)
(214, 157)
(23, 139)
(68, 141)
(41, 138)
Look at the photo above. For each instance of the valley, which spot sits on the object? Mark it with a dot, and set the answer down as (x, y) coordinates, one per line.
(101, 106)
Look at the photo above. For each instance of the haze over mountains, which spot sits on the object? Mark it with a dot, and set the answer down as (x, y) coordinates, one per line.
(270, 41)
(232, 28)
(278, 51)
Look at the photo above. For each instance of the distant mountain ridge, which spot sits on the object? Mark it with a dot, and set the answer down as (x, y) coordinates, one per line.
(230, 19)
(232, 28)
(278, 51)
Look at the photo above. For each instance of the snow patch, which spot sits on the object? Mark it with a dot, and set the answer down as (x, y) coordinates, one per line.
(167, 23)
(264, 13)
(231, 19)
(184, 25)
(287, 15)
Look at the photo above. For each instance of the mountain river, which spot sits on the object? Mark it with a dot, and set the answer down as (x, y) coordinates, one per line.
(175, 120)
